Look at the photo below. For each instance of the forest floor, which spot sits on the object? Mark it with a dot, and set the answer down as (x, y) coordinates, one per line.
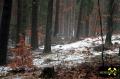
(76, 60)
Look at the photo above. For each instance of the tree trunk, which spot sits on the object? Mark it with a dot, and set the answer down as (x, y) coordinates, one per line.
(108, 41)
(19, 19)
(1, 7)
(22, 17)
(79, 21)
(47, 47)
(34, 37)
(87, 26)
(4, 30)
(57, 17)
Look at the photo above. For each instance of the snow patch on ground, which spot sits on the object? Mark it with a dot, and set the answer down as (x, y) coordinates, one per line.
(69, 54)
(76, 52)
(4, 70)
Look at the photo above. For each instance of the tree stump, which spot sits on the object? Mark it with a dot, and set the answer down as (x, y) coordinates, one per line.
(48, 73)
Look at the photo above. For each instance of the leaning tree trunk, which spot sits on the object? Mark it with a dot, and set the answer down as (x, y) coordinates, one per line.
(34, 37)
(108, 41)
(4, 30)
(47, 47)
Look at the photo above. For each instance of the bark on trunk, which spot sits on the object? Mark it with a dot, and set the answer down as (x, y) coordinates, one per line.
(108, 41)
(47, 48)
(4, 30)
(34, 37)
(57, 17)
(19, 19)
(79, 21)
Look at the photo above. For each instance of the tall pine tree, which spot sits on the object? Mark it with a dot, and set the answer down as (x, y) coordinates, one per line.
(4, 30)
(108, 41)
(47, 47)
(34, 37)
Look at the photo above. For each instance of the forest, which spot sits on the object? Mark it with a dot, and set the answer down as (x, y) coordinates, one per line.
(59, 39)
